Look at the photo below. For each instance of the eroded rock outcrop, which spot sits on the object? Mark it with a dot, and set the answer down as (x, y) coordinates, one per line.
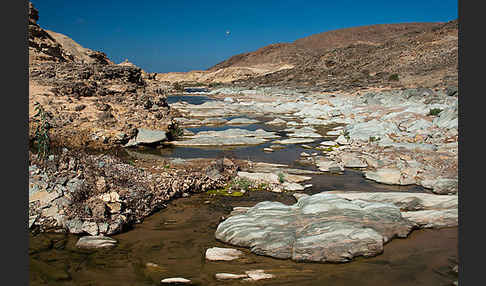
(335, 226)
(322, 227)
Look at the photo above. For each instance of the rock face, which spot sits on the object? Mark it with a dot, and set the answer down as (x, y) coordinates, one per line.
(321, 227)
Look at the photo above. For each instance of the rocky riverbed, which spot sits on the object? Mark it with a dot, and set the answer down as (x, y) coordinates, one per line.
(101, 194)
(238, 143)
(397, 137)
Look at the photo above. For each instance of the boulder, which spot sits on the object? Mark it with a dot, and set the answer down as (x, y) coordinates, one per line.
(175, 280)
(147, 136)
(321, 227)
(222, 254)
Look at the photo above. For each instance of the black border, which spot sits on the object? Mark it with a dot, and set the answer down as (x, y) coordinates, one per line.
(15, 92)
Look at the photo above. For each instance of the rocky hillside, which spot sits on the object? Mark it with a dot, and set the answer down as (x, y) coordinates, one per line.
(396, 55)
(89, 100)
(46, 45)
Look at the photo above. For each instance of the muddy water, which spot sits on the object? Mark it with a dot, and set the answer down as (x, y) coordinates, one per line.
(176, 238)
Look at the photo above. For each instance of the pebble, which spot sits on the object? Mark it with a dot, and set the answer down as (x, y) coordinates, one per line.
(176, 280)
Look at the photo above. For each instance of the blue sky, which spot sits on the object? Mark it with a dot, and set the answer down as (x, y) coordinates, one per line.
(163, 36)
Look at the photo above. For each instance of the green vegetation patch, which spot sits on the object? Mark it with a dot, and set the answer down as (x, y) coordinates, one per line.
(435, 111)
(393, 77)
(225, 192)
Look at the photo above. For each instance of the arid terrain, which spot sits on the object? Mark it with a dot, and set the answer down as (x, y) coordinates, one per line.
(387, 55)
(339, 147)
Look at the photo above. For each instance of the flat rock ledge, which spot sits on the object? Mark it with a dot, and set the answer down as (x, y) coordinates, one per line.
(320, 228)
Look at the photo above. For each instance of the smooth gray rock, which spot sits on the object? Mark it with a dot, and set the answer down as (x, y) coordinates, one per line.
(276, 121)
(175, 280)
(96, 242)
(147, 136)
(441, 185)
(294, 141)
(222, 254)
(328, 143)
(292, 187)
(321, 227)
(385, 176)
(269, 178)
(352, 161)
(434, 218)
(373, 128)
(229, 276)
(405, 201)
(448, 118)
(259, 274)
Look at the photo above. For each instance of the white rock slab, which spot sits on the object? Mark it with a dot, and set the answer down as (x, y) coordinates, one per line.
(222, 254)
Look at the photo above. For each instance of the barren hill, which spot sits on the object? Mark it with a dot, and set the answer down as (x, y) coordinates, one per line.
(384, 55)
(314, 45)
(409, 54)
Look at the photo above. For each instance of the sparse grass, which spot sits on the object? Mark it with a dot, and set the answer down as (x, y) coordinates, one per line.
(242, 183)
(434, 111)
(215, 84)
(225, 192)
(346, 134)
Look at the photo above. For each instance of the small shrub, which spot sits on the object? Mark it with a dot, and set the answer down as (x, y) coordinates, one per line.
(393, 77)
(178, 87)
(41, 136)
(434, 111)
(374, 139)
(281, 177)
(215, 84)
(175, 131)
(242, 183)
(346, 134)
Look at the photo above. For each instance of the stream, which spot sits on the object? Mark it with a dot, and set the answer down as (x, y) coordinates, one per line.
(173, 241)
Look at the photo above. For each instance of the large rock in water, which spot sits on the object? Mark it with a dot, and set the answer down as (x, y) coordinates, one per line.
(147, 136)
(321, 227)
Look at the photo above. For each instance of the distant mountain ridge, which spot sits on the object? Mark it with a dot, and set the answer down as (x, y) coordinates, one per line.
(384, 55)
(314, 45)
